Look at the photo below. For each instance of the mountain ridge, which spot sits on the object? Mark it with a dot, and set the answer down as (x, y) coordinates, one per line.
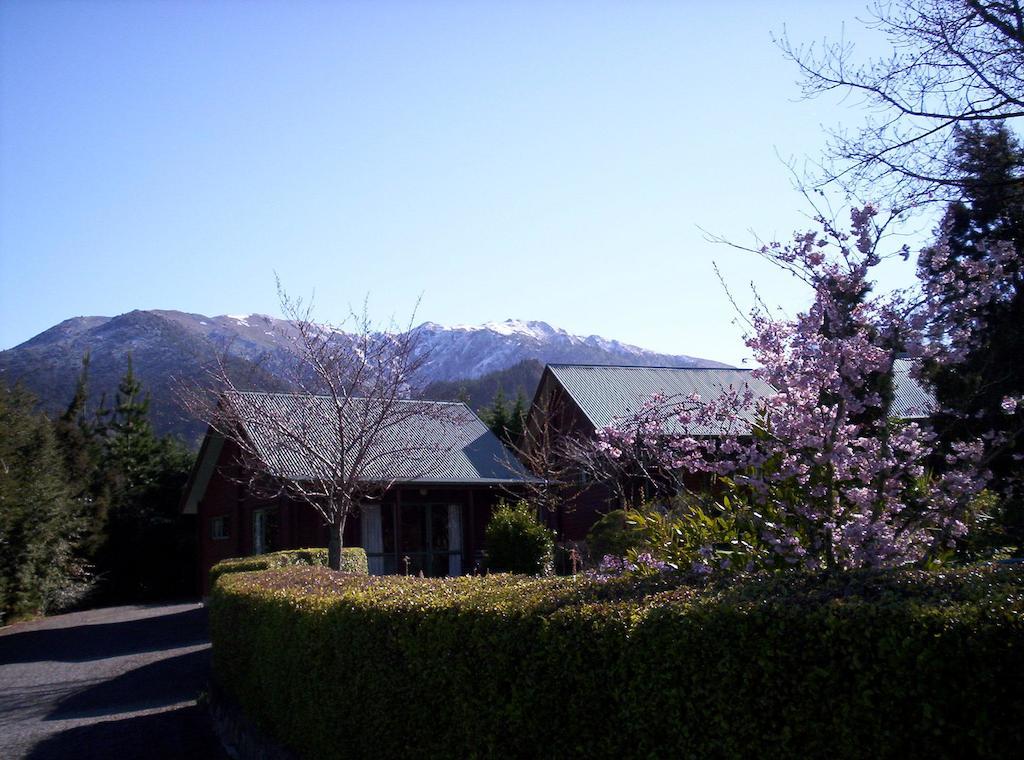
(167, 345)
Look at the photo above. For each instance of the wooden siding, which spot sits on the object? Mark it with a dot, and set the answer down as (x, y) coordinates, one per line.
(299, 526)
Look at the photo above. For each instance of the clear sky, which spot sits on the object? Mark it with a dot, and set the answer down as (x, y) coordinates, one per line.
(535, 160)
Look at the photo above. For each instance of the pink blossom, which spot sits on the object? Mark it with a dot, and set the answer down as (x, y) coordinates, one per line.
(823, 470)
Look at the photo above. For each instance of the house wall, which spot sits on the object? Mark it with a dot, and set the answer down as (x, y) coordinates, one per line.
(222, 499)
(298, 526)
(583, 504)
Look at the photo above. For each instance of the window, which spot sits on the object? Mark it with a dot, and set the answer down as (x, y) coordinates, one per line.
(219, 528)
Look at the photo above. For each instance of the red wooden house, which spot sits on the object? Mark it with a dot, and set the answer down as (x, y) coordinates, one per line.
(431, 521)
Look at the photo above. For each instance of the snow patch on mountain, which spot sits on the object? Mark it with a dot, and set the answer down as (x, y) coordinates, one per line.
(169, 345)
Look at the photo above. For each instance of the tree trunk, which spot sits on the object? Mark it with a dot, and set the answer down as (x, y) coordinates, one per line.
(335, 542)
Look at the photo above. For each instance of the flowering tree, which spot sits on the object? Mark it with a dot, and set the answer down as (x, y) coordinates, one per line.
(821, 469)
(626, 458)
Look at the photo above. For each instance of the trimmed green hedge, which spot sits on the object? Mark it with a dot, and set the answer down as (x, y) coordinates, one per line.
(901, 663)
(353, 560)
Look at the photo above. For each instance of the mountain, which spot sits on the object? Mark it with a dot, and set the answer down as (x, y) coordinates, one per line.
(479, 392)
(171, 346)
(465, 351)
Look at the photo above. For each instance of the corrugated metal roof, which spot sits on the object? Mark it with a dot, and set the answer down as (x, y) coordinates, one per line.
(429, 442)
(606, 392)
(911, 400)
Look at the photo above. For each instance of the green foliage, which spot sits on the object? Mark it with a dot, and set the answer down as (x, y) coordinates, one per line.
(90, 493)
(517, 420)
(894, 664)
(507, 424)
(517, 543)
(991, 536)
(989, 161)
(612, 535)
(131, 444)
(353, 560)
(40, 523)
(497, 416)
(148, 550)
(478, 392)
(78, 434)
(691, 534)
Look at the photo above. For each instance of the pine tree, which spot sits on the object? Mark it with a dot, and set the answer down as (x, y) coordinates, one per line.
(131, 444)
(497, 416)
(517, 420)
(81, 447)
(148, 552)
(990, 162)
(40, 527)
(72, 433)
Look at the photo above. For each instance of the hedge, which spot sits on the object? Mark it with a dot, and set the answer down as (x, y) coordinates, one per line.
(903, 663)
(353, 560)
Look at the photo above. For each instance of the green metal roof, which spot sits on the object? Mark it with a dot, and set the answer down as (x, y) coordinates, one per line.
(430, 442)
(606, 392)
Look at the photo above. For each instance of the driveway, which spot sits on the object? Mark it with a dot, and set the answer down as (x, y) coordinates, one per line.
(115, 683)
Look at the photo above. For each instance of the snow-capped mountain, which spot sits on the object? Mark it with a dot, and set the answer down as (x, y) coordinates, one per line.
(463, 351)
(166, 345)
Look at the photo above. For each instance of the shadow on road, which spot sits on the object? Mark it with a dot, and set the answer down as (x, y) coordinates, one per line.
(160, 684)
(98, 641)
(181, 733)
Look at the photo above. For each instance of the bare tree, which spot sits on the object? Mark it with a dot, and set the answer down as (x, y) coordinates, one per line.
(629, 466)
(954, 63)
(545, 449)
(347, 431)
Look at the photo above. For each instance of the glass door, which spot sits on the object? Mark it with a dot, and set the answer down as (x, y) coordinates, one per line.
(264, 530)
(430, 540)
(259, 531)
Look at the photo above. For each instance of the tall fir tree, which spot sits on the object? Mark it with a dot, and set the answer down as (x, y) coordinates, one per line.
(78, 435)
(148, 552)
(131, 443)
(517, 420)
(497, 416)
(40, 523)
(987, 220)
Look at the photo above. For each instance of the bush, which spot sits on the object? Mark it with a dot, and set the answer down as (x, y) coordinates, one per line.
(901, 663)
(612, 535)
(517, 543)
(353, 560)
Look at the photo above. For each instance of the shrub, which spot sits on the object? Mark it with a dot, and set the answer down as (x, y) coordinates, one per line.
(899, 663)
(517, 543)
(611, 535)
(353, 560)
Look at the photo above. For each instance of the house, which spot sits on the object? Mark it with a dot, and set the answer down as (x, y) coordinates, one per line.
(576, 400)
(430, 517)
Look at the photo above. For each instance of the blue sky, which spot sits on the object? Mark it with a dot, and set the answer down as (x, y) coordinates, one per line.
(534, 160)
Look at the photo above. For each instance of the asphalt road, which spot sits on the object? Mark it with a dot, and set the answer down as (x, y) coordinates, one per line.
(116, 683)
